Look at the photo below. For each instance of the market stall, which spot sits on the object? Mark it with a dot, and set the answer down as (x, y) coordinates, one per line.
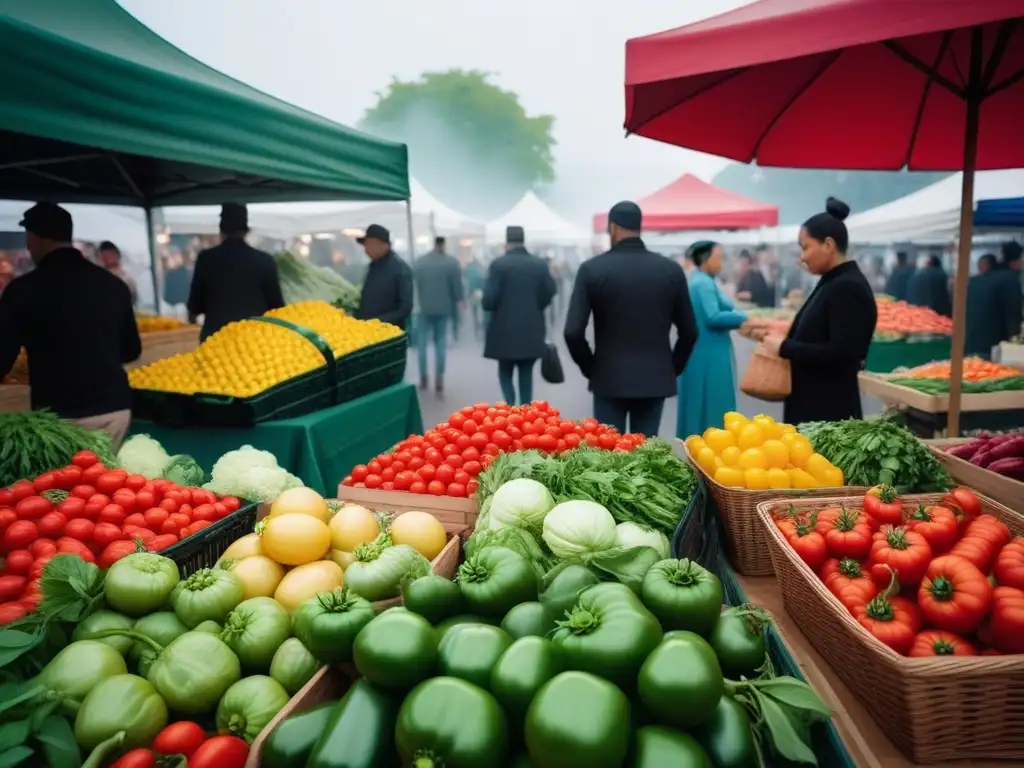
(542, 225)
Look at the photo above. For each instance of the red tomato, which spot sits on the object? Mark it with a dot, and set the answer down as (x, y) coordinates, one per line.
(436, 488)
(456, 489)
(111, 481)
(154, 517)
(387, 474)
(573, 440)
(105, 534)
(433, 456)
(161, 542)
(456, 420)
(112, 513)
(72, 507)
(348, 481)
(181, 738)
(134, 482)
(41, 547)
(374, 467)
(359, 472)
(491, 450)
(171, 505)
(80, 529)
(39, 564)
(18, 535)
(205, 512)
(7, 498)
(469, 427)
(145, 499)
(11, 587)
(427, 472)
(471, 454)
(220, 752)
(125, 499)
(200, 496)
(91, 474)
(52, 525)
(418, 487)
(135, 520)
(373, 481)
(7, 516)
(18, 562)
(530, 442)
(137, 758)
(195, 527)
(84, 459)
(94, 506)
(232, 503)
(45, 482)
(161, 485)
(445, 474)
(11, 612)
(472, 468)
(403, 480)
(548, 443)
(450, 450)
(479, 440)
(33, 507)
(462, 442)
(455, 461)
(179, 519)
(220, 511)
(22, 490)
(462, 477)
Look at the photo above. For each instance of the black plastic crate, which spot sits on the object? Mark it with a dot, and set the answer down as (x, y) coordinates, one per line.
(384, 354)
(204, 548)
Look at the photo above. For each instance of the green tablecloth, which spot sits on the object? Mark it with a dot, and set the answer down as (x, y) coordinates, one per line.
(320, 448)
(887, 356)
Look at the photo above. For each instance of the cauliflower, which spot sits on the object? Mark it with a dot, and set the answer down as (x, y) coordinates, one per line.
(142, 455)
(252, 474)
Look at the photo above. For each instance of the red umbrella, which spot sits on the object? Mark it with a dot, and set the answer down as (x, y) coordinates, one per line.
(860, 84)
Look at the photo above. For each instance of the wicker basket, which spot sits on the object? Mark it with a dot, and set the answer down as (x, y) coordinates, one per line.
(1003, 489)
(444, 564)
(737, 509)
(933, 709)
(768, 377)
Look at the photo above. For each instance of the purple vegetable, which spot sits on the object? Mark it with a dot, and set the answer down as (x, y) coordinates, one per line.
(1009, 467)
(982, 458)
(967, 450)
(1008, 449)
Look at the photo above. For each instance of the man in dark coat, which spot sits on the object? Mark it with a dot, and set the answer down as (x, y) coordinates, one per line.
(899, 281)
(438, 279)
(233, 281)
(519, 288)
(991, 314)
(929, 287)
(1011, 293)
(752, 286)
(387, 290)
(635, 296)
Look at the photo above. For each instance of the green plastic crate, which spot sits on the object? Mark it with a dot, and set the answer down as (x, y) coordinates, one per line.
(372, 368)
(887, 356)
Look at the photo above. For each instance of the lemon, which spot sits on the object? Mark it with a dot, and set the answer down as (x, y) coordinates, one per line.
(731, 456)
(776, 453)
(718, 440)
(778, 478)
(755, 479)
(753, 458)
(750, 436)
(694, 444)
(730, 477)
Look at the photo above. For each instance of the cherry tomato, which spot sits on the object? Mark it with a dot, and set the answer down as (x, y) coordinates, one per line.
(387, 474)
(231, 502)
(52, 525)
(418, 487)
(171, 505)
(374, 467)
(546, 442)
(462, 442)
(373, 481)
(479, 441)
(181, 738)
(113, 514)
(80, 529)
(456, 489)
(469, 427)
(204, 512)
(33, 507)
(359, 472)
(403, 480)
(220, 752)
(18, 535)
(115, 551)
(125, 499)
(135, 519)
(454, 460)
(416, 463)
(69, 477)
(444, 474)
(93, 473)
(161, 542)
(427, 472)
(84, 492)
(45, 482)
(22, 490)
(84, 459)
(137, 758)
(471, 454)
(436, 488)
(472, 468)
(18, 562)
(105, 534)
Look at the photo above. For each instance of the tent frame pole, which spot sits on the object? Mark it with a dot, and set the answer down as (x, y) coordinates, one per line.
(153, 260)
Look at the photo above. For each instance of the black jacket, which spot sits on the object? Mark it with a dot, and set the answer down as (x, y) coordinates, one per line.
(233, 281)
(929, 287)
(76, 322)
(993, 311)
(518, 290)
(899, 282)
(827, 345)
(761, 293)
(635, 296)
(387, 291)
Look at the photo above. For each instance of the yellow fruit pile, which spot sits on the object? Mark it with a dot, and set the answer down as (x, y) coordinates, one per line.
(245, 358)
(760, 453)
(154, 323)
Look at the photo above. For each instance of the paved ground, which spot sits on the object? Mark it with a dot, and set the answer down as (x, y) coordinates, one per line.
(472, 379)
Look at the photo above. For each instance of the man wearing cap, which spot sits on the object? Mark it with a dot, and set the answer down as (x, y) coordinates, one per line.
(635, 297)
(438, 278)
(232, 281)
(387, 290)
(76, 323)
(110, 259)
(519, 288)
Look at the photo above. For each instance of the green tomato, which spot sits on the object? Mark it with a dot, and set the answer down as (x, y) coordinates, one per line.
(379, 576)
(433, 597)
(140, 583)
(655, 746)
(681, 681)
(521, 672)
(255, 630)
(207, 595)
(471, 652)
(528, 619)
(328, 622)
(194, 671)
(121, 703)
(293, 665)
(578, 720)
(162, 628)
(728, 737)
(360, 732)
(77, 669)
(738, 641)
(562, 589)
(398, 649)
(609, 633)
(448, 625)
(208, 626)
(451, 723)
(248, 705)
(292, 741)
(101, 621)
(683, 595)
(495, 580)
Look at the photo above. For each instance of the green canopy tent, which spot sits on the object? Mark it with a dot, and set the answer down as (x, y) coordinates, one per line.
(97, 108)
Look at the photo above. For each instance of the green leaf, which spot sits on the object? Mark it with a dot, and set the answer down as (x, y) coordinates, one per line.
(58, 742)
(790, 692)
(18, 694)
(786, 740)
(15, 756)
(41, 712)
(13, 734)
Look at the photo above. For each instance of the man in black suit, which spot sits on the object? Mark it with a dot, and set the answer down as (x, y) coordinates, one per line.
(232, 281)
(519, 288)
(635, 296)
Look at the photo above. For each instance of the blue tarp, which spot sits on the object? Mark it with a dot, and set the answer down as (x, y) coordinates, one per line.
(1005, 212)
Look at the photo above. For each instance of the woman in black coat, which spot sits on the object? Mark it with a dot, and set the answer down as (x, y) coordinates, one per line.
(829, 338)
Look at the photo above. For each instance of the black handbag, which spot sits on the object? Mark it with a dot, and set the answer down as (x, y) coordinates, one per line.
(551, 366)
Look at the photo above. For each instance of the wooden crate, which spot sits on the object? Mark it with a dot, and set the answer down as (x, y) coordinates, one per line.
(1003, 489)
(161, 344)
(456, 515)
(885, 390)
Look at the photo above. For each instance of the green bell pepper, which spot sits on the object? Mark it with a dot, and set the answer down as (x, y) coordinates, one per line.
(450, 723)
(360, 732)
(293, 665)
(495, 580)
(208, 594)
(470, 652)
(120, 704)
(328, 622)
(683, 595)
(249, 705)
(254, 630)
(727, 736)
(521, 671)
(433, 597)
(194, 671)
(578, 720)
(608, 633)
(681, 681)
(397, 649)
(291, 742)
(655, 746)
(528, 619)
(738, 641)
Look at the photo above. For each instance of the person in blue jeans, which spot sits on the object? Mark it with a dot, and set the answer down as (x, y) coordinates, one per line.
(438, 280)
(519, 288)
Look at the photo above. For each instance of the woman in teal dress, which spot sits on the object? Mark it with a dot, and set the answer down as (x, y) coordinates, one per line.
(707, 388)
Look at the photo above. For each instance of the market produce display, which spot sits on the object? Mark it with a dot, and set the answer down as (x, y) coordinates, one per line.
(878, 450)
(1002, 454)
(760, 453)
(446, 460)
(896, 320)
(983, 387)
(302, 280)
(975, 370)
(37, 442)
(590, 676)
(925, 580)
(247, 357)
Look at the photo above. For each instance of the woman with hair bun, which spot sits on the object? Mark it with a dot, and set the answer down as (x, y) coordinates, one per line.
(829, 338)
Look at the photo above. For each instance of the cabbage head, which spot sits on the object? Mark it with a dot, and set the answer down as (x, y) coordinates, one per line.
(574, 529)
(520, 503)
(184, 470)
(631, 535)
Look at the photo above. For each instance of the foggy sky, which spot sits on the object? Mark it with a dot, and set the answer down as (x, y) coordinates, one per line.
(563, 57)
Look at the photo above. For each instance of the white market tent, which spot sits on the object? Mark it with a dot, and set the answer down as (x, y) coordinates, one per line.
(542, 225)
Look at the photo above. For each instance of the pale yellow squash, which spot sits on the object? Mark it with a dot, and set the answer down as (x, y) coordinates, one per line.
(295, 539)
(302, 583)
(351, 526)
(304, 501)
(260, 576)
(421, 531)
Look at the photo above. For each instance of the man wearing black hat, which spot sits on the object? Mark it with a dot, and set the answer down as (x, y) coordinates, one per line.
(232, 281)
(635, 296)
(387, 290)
(519, 288)
(76, 323)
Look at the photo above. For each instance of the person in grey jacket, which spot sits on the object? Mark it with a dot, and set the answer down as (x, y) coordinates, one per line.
(438, 280)
(519, 288)
(387, 291)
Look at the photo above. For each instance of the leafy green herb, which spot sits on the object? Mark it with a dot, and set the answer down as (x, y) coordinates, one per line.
(39, 441)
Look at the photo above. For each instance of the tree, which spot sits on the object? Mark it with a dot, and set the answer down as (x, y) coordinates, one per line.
(471, 143)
